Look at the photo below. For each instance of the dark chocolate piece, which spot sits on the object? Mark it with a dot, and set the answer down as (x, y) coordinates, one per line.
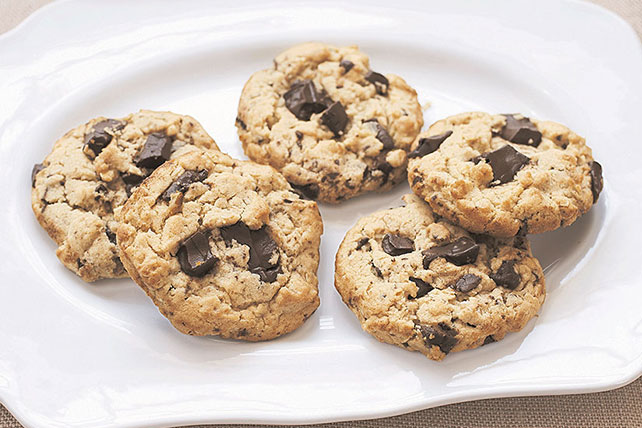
(131, 181)
(396, 245)
(386, 169)
(110, 235)
(376, 270)
(381, 134)
(429, 144)
(303, 99)
(335, 118)
(240, 123)
(267, 274)
(34, 171)
(182, 183)
(423, 288)
(597, 182)
(505, 162)
(489, 339)
(194, 255)
(506, 276)
(520, 131)
(346, 65)
(238, 232)
(98, 138)
(262, 248)
(467, 283)
(461, 252)
(363, 241)
(101, 189)
(157, 149)
(379, 80)
(306, 191)
(440, 335)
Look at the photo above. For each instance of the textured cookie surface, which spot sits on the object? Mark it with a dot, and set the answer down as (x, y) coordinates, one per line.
(416, 281)
(89, 175)
(332, 126)
(498, 174)
(223, 247)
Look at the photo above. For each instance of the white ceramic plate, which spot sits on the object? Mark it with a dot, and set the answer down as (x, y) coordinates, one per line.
(78, 355)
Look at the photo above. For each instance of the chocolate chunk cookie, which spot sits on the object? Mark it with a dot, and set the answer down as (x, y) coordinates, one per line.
(501, 174)
(89, 175)
(332, 126)
(417, 281)
(223, 247)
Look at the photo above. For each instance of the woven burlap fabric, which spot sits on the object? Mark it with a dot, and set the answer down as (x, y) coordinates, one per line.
(613, 409)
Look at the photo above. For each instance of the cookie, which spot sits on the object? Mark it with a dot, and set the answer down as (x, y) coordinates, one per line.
(332, 126)
(89, 175)
(223, 247)
(417, 281)
(502, 174)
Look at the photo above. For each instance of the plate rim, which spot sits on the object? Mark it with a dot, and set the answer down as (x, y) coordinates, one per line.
(27, 419)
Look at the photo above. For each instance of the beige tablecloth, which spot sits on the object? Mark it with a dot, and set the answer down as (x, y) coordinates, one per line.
(619, 408)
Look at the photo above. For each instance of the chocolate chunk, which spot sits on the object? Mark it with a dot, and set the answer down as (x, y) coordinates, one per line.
(346, 65)
(520, 131)
(303, 99)
(386, 169)
(194, 255)
(506, 276)
(505, 162)
(381, 134)
(131, 181)
(467, 283)
(489, 339)
(155, 152)
(461, 252)
(597, 183)
(262, 248)
(267, 274)
(376, 270)
(240, 123)
(34, 171)
(331, 176)
(396, 245)
(132, 178)
(362, 242)
(335, 118)
(429, 144)
(98, 138)
(182, 183)
(110, 235)
(306, 191)
(379, 80)
(367, 173)
(423, 288)
(101, 189)
(238, 232)
(440, 335)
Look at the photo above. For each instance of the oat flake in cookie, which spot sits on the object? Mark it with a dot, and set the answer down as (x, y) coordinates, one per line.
(502, 174)
(332, 126)
(417, 281)
(89, 175)
(223, 247)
